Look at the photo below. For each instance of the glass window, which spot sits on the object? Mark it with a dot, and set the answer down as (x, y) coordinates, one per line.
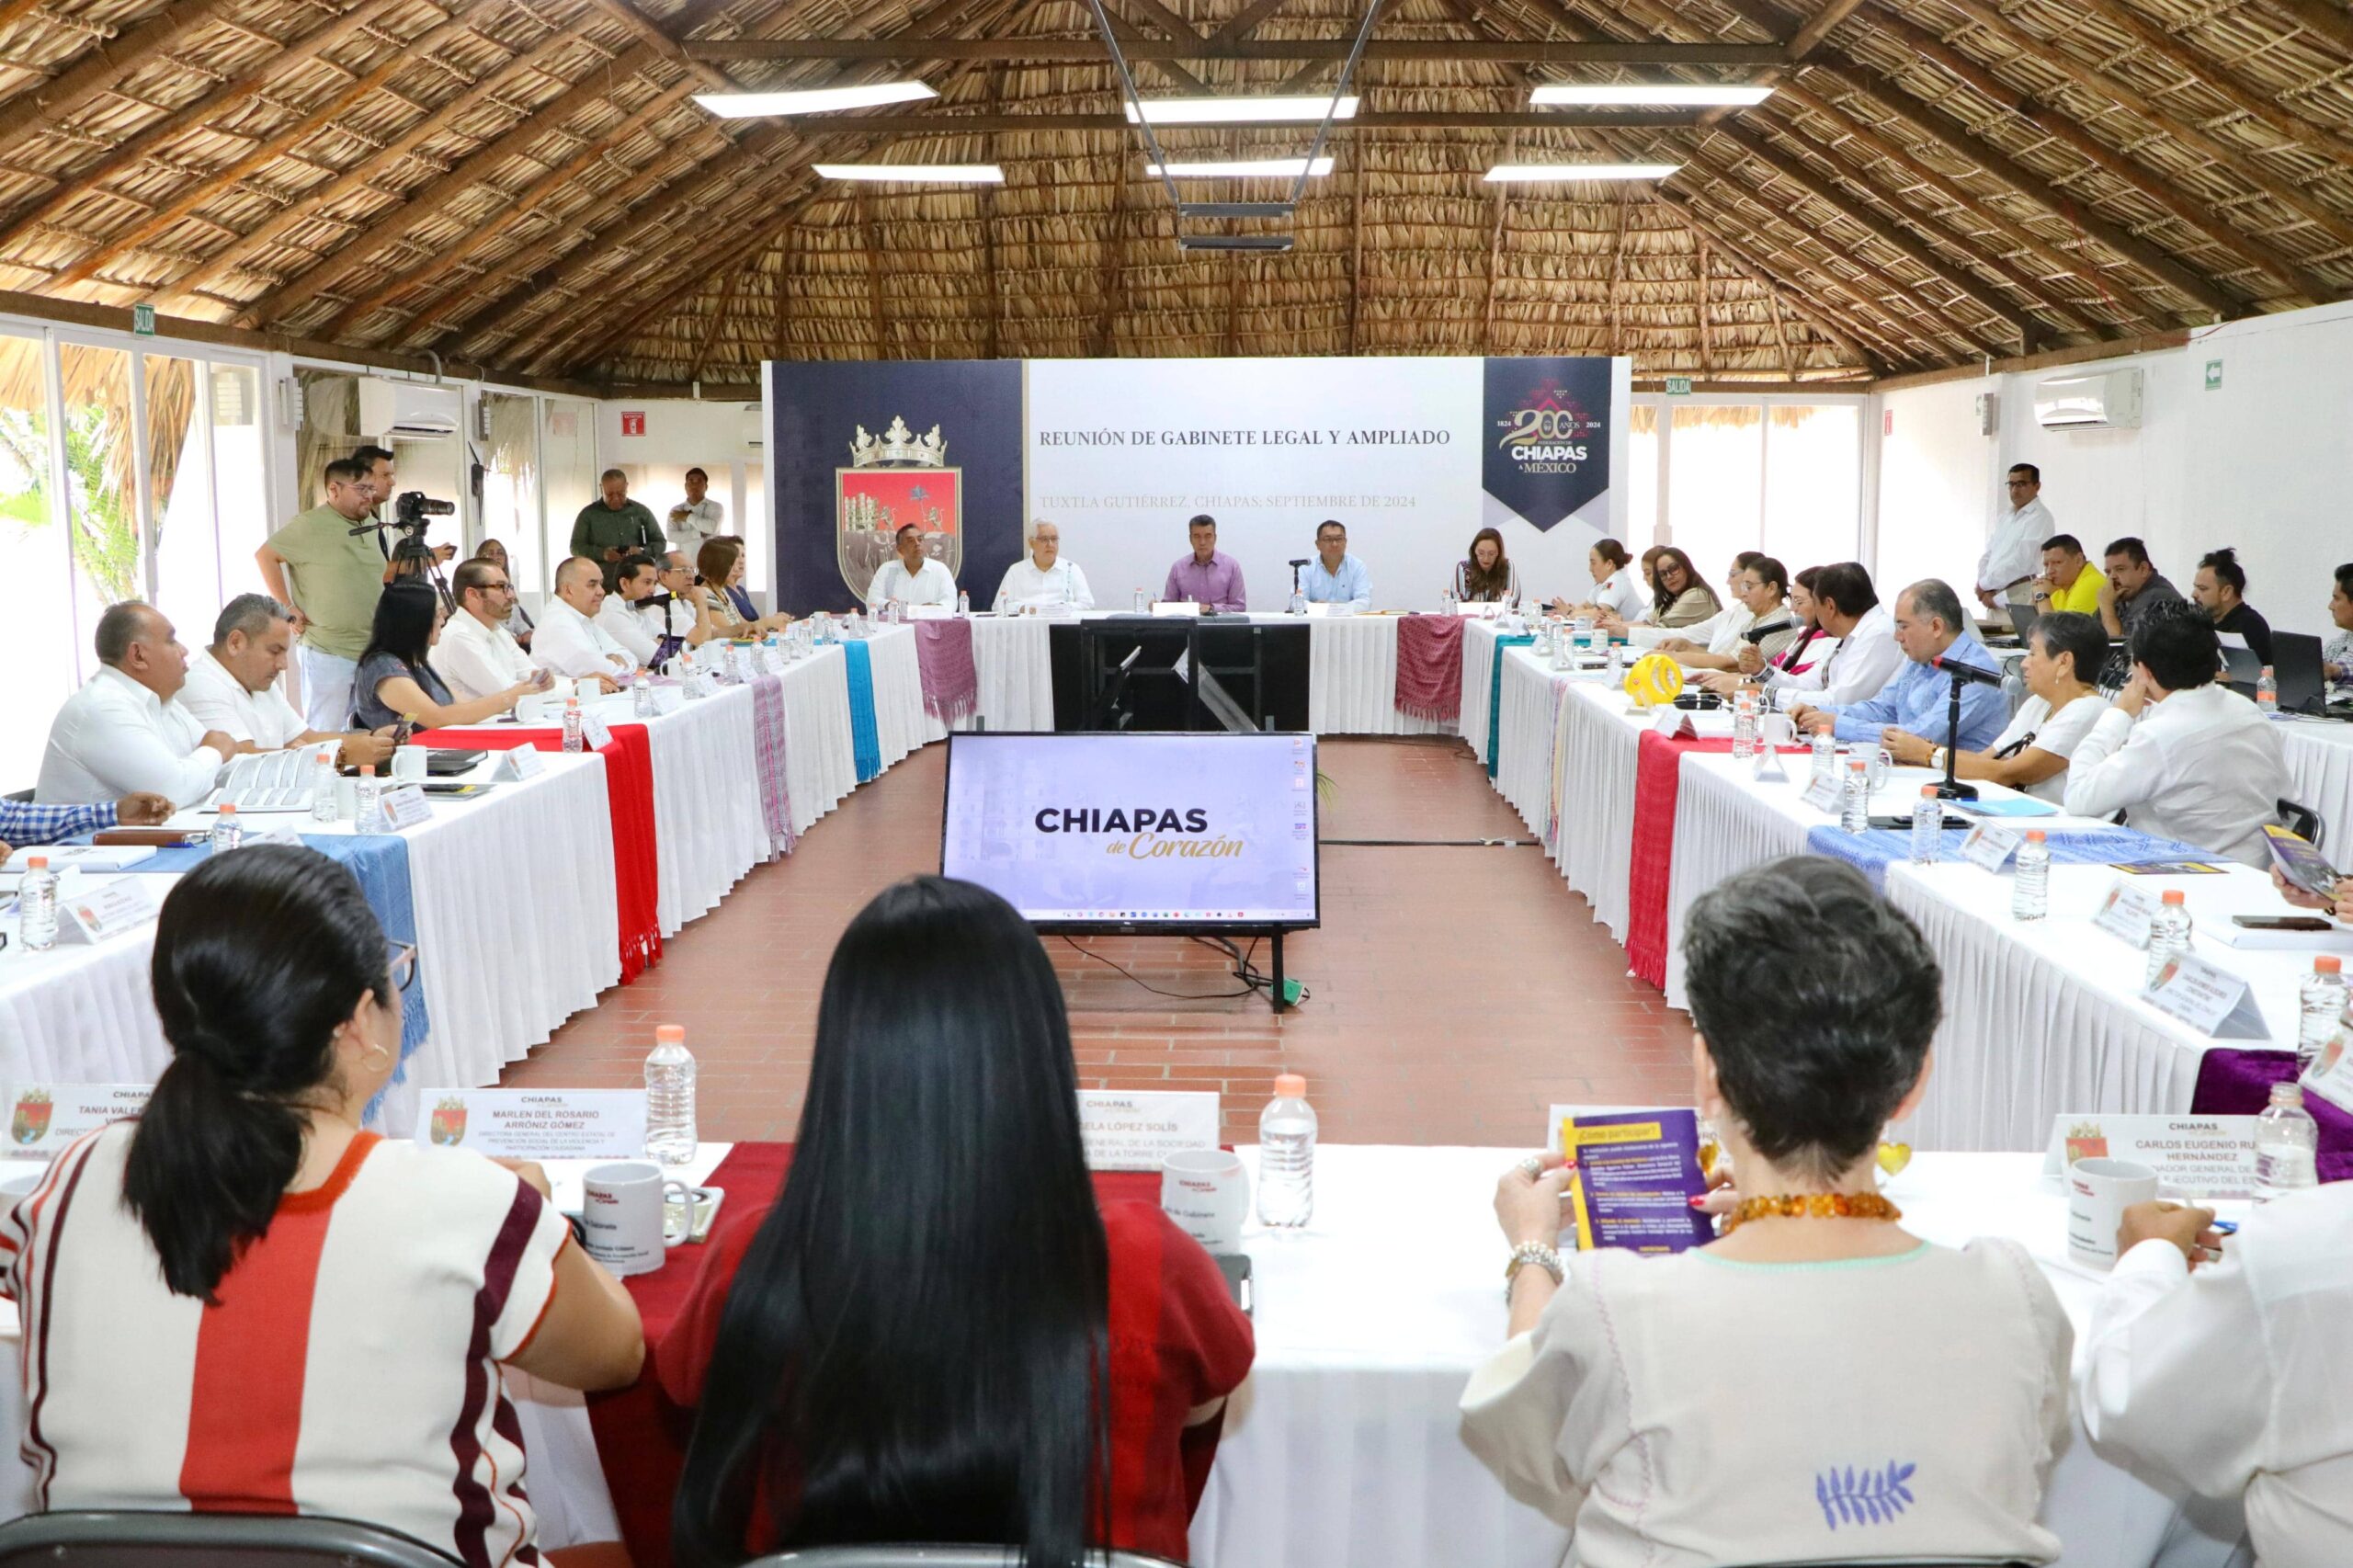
(1715, 483)
(179, 490)
(1642, 477)
(240, 475)
(101, 481)
(568, 451)
(1813, 477)
(330, 430)
(510, 481)
(39, 622)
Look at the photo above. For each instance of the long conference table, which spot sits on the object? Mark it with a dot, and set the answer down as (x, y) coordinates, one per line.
(1341, 1448)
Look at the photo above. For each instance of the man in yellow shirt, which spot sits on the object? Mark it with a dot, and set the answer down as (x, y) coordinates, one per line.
(2068, 581)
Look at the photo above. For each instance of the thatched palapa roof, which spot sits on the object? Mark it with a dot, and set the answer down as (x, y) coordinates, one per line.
(525, 186)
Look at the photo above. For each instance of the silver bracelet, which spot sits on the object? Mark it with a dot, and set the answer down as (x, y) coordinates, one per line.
(1538, 1253)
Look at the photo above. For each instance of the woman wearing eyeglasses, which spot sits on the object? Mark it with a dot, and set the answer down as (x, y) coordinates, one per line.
(2064, 654)
(244, 1304)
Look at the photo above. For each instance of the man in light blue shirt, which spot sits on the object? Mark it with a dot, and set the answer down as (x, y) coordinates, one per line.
(1336, 577)
(1929, 627)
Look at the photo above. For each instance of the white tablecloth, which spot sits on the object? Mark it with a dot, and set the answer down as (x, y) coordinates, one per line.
(82, 1015)
(1478, 670)
(1600, 748)
(1013, 662)
(2044, 1017)
(708, 826)
(899, 724)
(2320, 768)
(820, 763)
(1352, 680)
(1342, 1447)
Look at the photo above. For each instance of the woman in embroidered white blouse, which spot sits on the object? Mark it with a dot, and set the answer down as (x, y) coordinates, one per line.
(1803, 1389)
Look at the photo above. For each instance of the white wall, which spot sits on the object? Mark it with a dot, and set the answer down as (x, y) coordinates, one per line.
(2264, 462)
(715, 436)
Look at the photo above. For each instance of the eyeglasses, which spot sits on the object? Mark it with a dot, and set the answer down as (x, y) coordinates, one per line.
(401, 959)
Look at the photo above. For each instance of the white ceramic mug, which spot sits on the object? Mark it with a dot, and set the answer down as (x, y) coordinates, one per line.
(2099, 1192)
(408, 765)
(1776, 730)
(1207, 1192)
(622, 1211)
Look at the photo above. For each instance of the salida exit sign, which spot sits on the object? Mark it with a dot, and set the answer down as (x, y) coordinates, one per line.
(632, 422)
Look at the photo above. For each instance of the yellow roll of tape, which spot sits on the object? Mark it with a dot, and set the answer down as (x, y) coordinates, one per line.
(1653, 680)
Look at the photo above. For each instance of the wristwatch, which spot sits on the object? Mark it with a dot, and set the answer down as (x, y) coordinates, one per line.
(1537, 1252)
(1937, 757)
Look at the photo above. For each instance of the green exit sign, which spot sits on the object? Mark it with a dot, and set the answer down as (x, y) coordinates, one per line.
(142, 320)
(1678, 386)
(2213, 375)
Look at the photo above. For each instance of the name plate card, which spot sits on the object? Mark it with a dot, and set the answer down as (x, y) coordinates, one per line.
(1989, 847)
(47, 1117)
(1823, 794)
(1138, 1131)
(100, 908)
(2126, 911)
(405, 807)
(517, 763)
(1174, 606)
(2208, 998)
(2204, 1156)
(1675, 723)
(538, 1124)
(594, 734)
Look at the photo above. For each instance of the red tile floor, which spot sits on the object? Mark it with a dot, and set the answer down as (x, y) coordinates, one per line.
(1454, 990)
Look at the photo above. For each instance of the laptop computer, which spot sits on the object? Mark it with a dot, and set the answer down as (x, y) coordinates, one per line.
(2022, 619)
(2242, 669)
(2295, 664)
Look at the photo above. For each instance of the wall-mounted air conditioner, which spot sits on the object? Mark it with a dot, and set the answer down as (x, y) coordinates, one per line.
(2104, 400)
(407, 410)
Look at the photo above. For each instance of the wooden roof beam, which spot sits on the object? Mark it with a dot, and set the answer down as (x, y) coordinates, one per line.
(983, 124)
(102, 65)
(2322, 20)
(719, 317)
(1831, 320)
(1089, 51)
(1245, 22)
(2197, 213)
(2249, 99)
(1803, 43)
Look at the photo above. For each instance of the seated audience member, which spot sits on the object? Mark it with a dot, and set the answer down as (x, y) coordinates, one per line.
(1336, 577)
(1758, 617)
(912, 577)
(722, 563)
(1042, 578)
(1813, 1001)
(1932, 631)
(477, 655)
(1618, 588)
(232, 685)
(617, 616)
(2068, 581)
(2132, 588)
(2336, 658)
(1209, 577)
(397, 680)
(2181, 754)
(124, 731)
(182, 1253)
(519, 623)
(1678, 598)
(2220, 590)
(570, 641)
(1866, 657)
(680, 615)
(2267, 1306)
(25, 824)
(900, 1353)
(1486, 576)
(2064, 653)
(1806, 646)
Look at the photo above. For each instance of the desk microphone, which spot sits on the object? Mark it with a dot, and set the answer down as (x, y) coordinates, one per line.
(1756, 634)
(1967, 673)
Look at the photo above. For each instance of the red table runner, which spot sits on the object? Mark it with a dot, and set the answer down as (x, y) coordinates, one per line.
(642, 1437)
(629, 787)
(1658, 776)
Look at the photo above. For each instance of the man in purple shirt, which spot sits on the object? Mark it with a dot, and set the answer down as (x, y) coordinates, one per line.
(1207, 577)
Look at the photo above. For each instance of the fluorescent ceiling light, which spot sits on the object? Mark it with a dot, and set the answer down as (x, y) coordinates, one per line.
(915, 173)
(1532, 173)
(1220, 111)
(1243, 168)
(1653, 95)
(816, 100)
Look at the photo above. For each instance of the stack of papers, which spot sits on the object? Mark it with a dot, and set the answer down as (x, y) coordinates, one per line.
(269, 781)
(97, 860)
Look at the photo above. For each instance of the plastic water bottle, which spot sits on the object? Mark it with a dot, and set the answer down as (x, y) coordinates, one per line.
(1927, 826)
(2169, 933)
(670, 1098)
(640, 696)
(37, 906)
(325, 806)
(1142, 605)
(2266, 691)
(227, 831)
(2030, 889)
(1446, 601)
(368, 807)
(1855, 805)
(1743, 726)
(2287, 1145)
(1287, 1155)
(963, 602)
(1298, 605)
(2321, 1002)
(572, 738)
(1825, 756)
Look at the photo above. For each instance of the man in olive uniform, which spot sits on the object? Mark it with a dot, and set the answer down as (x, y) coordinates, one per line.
(614, 527)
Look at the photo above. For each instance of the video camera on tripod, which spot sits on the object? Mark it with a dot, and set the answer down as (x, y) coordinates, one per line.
(410, 555)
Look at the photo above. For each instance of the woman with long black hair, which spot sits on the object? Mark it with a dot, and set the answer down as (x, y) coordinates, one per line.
(936, 1334)
(396, 679)
(243, 1302)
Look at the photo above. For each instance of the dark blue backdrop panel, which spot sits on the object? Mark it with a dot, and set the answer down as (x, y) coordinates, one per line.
(814, 410)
